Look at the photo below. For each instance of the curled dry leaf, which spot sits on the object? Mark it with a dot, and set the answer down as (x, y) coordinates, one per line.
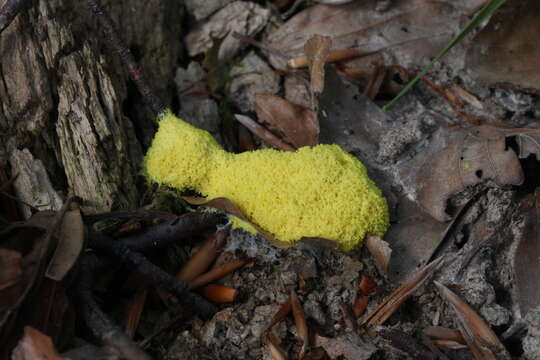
(10, 267)
(282, 312)
(246, 18)
(302, 61)
(415, 238)
(408, 344)
(380, 250)
(442, 333)
(365, 288)
(359, 24)
(395, 299)
(348, 345)
(296, 124)
(219, 293)
(35, 346)
(134, 310)
(205, 256)
(502, 53)
(317, 49)
(69, 247)
(218, 272)
(527, 256)
(263, 133)
(300, 322)
(455, 159)
(227, 206)
(482, 341)
(274, 347)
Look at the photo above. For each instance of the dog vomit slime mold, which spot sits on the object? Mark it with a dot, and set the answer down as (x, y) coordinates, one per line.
(320, 191)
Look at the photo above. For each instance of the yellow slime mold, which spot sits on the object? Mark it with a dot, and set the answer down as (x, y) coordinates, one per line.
(319, 191)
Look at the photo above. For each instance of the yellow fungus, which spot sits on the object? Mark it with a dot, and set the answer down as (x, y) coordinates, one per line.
(320, 191)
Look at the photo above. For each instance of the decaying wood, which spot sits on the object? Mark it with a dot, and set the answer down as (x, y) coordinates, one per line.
(65, 96)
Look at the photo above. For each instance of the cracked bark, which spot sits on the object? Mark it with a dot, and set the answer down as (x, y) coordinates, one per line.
(66, 97)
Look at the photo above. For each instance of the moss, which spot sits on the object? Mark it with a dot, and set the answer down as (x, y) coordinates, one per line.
(319, 191)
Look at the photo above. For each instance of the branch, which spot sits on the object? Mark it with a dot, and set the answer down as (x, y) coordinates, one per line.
(127, 58)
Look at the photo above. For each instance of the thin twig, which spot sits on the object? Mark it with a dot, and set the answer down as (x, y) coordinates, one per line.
(152, 273)
(99, 323)
(127, 58)
(9, 11)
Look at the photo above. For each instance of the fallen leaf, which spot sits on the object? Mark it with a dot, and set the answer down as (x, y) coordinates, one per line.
(423, 29)
(367, 285)
(296, 124)
(317, 49)
(246, 18)
(263, 133)
(204, 256)
(406, 343)
(219, 293)
(10, 267)
(69, 247)
(273, 343)
(282, 312)
(442, 333)
(502, 52)
(348, 345)
(228, 207)
(393, 301)
(455, 159)
(415, 237)
(380, 250)
(527, 256)
(481, 339)
(218, 272)
(300, 322)
(35, 346)
(134, 310)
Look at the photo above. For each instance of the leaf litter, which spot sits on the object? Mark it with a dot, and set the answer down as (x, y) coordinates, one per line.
(428, 171)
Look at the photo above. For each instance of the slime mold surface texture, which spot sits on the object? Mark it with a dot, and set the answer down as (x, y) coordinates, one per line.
(320, 191)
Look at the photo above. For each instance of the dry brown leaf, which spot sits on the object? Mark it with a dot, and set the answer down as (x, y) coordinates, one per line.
(69, 247)
(273, 343)
(10, 267)
(35, 346)
(380, 250)
(296, 124)
(333, 56)
(218, 272)
(282, 312)
(367, 285)
(263, 133)
(423, 28)
(134, 310)
(219, 293)
(317, 49)
(415, 237)
(527, 256)
(348, 345)
(229, 207)
(442, 333)
(375, 82)
(503, 52)
(205, 256)
(300, 322)
(455, 159)
(393, 301)
(481, 339)
(449, 344)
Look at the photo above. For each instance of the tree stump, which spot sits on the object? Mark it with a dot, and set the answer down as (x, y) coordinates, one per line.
(65, 96)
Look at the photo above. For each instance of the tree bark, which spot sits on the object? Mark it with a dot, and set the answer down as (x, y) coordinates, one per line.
(66, 97)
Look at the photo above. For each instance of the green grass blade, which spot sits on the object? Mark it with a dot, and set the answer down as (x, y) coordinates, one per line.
(486, 11)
